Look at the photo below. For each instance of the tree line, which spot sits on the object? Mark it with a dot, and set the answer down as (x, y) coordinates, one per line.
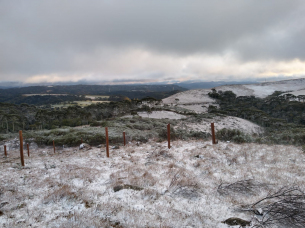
(276, 110)
(14, 117)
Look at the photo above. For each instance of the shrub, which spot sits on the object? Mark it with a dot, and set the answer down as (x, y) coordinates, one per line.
(199, 134)
(162, 133)
(101, 124)
(2, 137)
(232, 135)
(142, 126)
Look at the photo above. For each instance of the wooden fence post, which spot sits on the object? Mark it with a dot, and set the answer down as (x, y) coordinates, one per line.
(107, 142)
(54, 146)
(169, 135)
(21, 147)
(5, 151)
(27, 145)
(213, 133)
(124, 138)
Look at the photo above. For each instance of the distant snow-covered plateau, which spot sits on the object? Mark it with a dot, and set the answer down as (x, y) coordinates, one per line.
(198, 100)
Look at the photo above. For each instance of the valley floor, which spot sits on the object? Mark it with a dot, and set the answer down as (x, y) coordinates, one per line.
(160, 187)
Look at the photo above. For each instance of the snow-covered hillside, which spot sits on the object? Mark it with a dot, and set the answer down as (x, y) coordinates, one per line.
(220, 122)
(198, 100)
(145, 185)
(264, 89)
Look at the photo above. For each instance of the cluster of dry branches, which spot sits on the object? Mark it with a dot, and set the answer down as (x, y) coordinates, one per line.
(248, 186)
(184, 184)
(286, 207)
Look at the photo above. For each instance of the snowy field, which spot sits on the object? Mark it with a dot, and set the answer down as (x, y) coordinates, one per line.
(228, 122)
(262, 90)
(198, 100)
(155, 187)
(190, 97)
(162, 115)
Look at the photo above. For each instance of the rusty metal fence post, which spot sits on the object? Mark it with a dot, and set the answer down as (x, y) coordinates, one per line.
(27, 145)
(124, 138)
(107, 142)
(213, 133)
(5, 151)
(169, 135)
(21, 147)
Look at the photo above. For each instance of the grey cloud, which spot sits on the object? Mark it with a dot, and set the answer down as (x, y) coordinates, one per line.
(45, 36)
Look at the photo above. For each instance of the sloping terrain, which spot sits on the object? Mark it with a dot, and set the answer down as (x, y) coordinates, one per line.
(193, 184)
(264, 89)
(198, 100)
(228, 122)
(189, 97)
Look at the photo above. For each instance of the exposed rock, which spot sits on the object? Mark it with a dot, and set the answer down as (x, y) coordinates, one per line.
(199, 156)
(84, 146)
(126, 186)
(3, 204)
(116, 147)
(236, 222)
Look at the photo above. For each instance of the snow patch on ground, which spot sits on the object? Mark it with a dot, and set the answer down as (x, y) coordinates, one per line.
(162, 115)
(197, 108)
(297, 93)
(196, 100)
(264, 89)
(228, 122)
(196, 96)
(74, 188)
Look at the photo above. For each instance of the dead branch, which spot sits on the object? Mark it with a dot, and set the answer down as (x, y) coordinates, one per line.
(284, 207)
(248, 186)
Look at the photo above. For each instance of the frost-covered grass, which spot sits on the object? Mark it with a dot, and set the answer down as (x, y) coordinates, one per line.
(161, 115)
(74, 188)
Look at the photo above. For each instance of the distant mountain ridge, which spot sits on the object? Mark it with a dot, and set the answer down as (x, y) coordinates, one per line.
(15, 95)
(210, 84)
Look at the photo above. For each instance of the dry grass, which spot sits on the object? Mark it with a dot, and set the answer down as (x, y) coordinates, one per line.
(75, 189)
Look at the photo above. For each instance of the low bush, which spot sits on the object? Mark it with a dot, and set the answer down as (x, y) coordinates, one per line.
(101, 124)
(142, 126)
(2, 137)
(199, 134)
(162, 133)
(233, 135)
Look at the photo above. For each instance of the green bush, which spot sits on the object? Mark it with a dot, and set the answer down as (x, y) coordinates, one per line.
(199, 134)
(162, 133)
(2, 137)
(101, 124)
(142, 126)
(233, 135)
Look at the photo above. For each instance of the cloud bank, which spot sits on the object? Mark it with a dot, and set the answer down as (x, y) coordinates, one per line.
(111, 40)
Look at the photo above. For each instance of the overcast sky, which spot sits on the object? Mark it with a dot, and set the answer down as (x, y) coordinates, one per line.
(150, 40)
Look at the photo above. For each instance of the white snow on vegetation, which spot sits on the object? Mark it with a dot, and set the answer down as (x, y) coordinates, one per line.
(178, 186)
(228, 122)
(190, 97)
(162, 115)
(198, 100)
(262, 90)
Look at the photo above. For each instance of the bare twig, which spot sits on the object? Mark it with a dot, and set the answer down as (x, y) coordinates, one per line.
(284, 207)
